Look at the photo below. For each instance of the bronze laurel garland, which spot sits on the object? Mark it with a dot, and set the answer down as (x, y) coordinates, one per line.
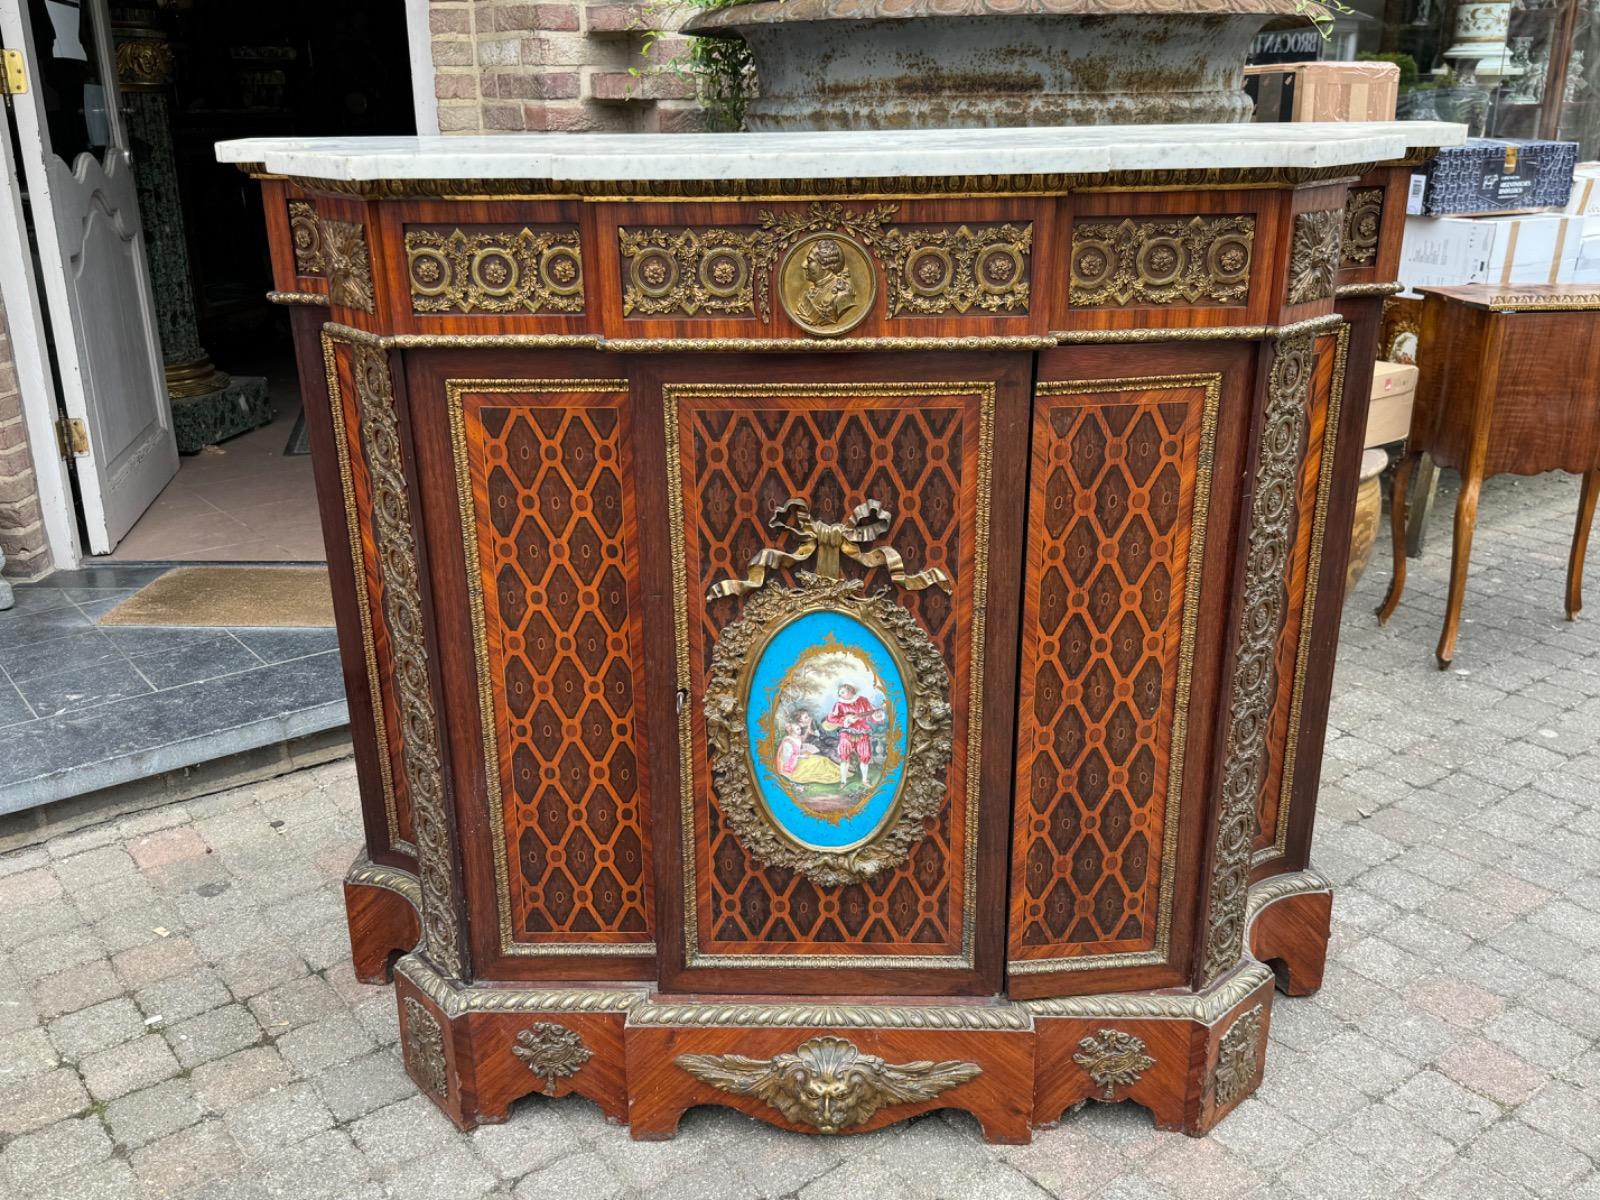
(1271, 537)
(495, 271)
(402, 610)
(1161, 260)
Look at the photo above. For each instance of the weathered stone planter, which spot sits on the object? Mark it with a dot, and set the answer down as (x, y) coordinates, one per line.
(918, 64)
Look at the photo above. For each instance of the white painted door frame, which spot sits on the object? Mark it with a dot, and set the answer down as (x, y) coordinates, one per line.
(96, 285)
(35, 379)
(419, 35)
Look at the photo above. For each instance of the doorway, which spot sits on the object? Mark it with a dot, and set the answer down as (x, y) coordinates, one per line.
(297, 68)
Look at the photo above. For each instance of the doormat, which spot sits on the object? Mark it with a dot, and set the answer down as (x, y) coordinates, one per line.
(231, 597)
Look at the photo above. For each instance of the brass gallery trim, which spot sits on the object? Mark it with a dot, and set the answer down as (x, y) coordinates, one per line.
(1347, 291)
(395, 538)
(943, 187)
(455, 389)
(367, 873)
(594, 341)
(1199, 508)
(1198, 333)
(589, 341)
(454, 999)
(307, 298)
(975, 1017)
(986, 392)
(1281, 887)
(1205, 1008)
(1319, 524)
(369, 653)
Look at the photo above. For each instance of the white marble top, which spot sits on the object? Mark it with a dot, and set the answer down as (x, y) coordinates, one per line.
(849, 155)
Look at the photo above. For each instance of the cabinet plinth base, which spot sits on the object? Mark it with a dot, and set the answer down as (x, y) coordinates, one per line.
(837, 1065)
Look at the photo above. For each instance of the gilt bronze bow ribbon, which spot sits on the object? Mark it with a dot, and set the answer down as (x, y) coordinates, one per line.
(829, 541)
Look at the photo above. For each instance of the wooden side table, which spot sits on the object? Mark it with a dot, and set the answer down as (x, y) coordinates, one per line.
(1510, 385)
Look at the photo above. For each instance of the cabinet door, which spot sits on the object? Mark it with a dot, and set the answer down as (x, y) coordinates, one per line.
(535, 565)
(842, 533)
(1129, 530)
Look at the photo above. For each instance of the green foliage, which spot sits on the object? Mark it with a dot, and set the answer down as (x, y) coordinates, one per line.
(721, 69)
(1407, 65)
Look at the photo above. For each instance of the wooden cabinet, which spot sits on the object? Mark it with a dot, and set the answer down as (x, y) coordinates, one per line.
(859, 635)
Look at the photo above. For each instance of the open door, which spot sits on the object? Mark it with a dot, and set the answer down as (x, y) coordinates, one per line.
(80, 183)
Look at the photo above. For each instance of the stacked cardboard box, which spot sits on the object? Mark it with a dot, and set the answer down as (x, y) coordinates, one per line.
(1488, 175)
(1324, 91)
(1441, 251)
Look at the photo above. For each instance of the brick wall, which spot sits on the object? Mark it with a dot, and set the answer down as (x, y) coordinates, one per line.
(22, 535)
(505, 65)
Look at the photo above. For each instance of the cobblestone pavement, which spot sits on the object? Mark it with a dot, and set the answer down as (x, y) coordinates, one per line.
(178, 1017)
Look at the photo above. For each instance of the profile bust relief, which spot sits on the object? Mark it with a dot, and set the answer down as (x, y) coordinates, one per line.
(827, 286)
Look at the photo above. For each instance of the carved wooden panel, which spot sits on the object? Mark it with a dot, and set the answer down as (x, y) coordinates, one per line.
(1116, 531)
(545, 472)
(923, 451)
(494, 269)
(1160, 261)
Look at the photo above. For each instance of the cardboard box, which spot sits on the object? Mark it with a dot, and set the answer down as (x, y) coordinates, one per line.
(1488, 175)
(1394, 388)
(1441, 251)
(1585, 198)
(1324, 91)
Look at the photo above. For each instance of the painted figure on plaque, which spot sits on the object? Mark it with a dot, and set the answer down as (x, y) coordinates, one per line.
(853, 716)
(800, 757)
(828, 733)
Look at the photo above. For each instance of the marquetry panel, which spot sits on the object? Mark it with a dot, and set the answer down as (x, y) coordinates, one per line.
(546, 474)
(494, 270)
(1161, 261)
(1116, 528)
(920, 450)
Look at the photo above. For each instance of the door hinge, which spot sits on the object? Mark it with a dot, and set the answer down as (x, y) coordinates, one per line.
(14, 77)
(73, 436)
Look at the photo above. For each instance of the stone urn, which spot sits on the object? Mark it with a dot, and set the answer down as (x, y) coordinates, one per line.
(920, 64)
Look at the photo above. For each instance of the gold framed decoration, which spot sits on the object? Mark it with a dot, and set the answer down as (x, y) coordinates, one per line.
(827, 707)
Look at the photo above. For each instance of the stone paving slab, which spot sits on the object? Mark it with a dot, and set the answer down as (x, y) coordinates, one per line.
(179, 1021)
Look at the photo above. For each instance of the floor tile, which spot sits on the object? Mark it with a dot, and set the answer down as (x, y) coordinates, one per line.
(280, 645)
(196, 661)
(83, 648)
(68, 691)
(29, 628)
(12, 706)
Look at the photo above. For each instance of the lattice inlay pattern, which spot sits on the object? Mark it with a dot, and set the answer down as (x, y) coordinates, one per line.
(556, 549)
(742, 457)
(1111, 523)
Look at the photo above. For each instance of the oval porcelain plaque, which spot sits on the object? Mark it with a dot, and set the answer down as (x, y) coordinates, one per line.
(826, 722)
